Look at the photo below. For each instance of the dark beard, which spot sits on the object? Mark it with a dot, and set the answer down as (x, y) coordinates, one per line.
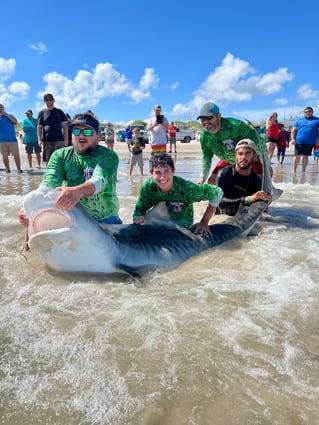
(245, 167)
(87, 151)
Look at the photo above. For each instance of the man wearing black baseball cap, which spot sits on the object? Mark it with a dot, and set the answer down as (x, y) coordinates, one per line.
(85, 172)
(30, 139)
(52, 128)
(219, 137)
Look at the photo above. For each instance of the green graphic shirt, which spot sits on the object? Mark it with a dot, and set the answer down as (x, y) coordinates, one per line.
(223, 143)
(67, 168)
(179, 200)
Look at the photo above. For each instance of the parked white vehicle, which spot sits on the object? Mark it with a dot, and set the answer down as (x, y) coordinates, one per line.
(185, 136)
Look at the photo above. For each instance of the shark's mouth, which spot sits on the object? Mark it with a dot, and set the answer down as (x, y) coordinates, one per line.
(49, 219)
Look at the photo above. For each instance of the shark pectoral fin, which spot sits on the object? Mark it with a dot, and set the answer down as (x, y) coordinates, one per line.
(276, 193)
(158, 216)
(129, 270)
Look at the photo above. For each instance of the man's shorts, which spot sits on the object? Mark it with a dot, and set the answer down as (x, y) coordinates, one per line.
(7, 148)
(303, 149)
(158, 148)
(113, 219)
(32, 147)
(172, 140)
(49, 148)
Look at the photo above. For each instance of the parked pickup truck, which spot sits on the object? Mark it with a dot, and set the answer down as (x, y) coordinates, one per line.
(185, 136)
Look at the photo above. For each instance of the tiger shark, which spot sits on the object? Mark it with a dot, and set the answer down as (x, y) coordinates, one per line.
(70, 241)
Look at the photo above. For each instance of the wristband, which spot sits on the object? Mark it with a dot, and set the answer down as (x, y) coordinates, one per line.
(248, 200)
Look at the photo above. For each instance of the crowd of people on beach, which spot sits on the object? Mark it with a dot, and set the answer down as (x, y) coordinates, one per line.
(85, 172)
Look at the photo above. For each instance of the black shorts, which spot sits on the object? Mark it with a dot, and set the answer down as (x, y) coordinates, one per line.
(32, 147)
(269, 139)
(303, 149)
(49, 148)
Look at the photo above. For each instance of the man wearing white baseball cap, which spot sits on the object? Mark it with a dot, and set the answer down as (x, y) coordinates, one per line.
(240, 184)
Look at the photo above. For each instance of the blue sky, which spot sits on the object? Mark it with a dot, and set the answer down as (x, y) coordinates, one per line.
(119, 58)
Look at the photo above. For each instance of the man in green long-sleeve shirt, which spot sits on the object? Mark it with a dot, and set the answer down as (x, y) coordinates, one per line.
(178, 194)
(219, 137)
(84, 173)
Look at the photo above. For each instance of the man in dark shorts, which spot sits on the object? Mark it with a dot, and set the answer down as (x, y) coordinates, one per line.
(304, 135)
(30, 139)
(52, 128)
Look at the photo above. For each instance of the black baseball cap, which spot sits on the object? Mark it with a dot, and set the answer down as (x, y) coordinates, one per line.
(87, 120)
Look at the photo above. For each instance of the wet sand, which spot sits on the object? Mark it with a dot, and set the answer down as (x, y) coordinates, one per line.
(185, 151)
(282, 172)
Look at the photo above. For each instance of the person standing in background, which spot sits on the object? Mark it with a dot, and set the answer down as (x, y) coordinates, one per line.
(128, 136)
(283, 143)
(304, 135)
(109, 136)
(68, 124)
(157, 125)
(29, 126)
(272, 134)
(8, 140)
(172, 136)
(137, 146)
(52, 128)
(316, 152)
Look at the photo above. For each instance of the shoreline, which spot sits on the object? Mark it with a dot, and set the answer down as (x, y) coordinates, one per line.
(188, 151)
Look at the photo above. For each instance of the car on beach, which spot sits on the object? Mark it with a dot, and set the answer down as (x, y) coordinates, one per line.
(102, 132)
(120, 135)
(185, 136)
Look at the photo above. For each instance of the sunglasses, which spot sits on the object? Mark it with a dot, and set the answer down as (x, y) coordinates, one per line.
(49, 100)
(207, 118)
(87, 132)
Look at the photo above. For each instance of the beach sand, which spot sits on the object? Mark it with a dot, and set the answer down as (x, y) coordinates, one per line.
(186, 151)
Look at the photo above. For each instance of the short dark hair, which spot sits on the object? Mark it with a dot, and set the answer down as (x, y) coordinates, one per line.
(162, 159)
(48, 96)
(308, 108)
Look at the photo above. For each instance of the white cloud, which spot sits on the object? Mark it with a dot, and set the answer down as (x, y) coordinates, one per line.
(306, 92)
(19, 88)
(14, 92)
(7, 68)
(281, 101)
(89, 87)
(40, 47)
(174, 86)
(149, 79)
(234, 81)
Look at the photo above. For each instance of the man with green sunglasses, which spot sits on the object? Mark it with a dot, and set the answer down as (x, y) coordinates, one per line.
(85, 172)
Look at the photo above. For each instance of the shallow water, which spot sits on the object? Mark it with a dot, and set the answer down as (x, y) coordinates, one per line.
(229, 337)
